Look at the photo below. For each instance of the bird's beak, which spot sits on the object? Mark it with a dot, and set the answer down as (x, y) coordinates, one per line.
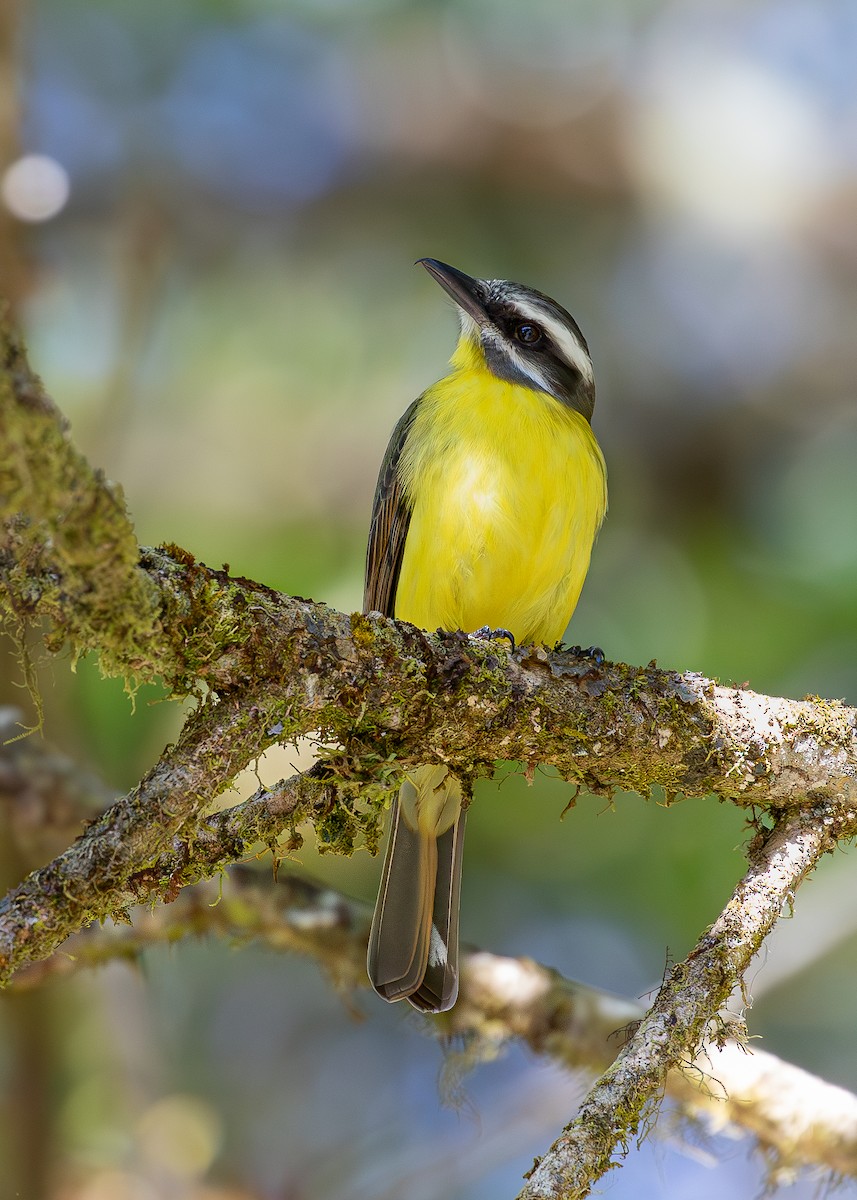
(468, 293)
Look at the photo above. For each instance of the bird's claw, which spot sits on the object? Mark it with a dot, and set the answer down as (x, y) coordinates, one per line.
(486, 634)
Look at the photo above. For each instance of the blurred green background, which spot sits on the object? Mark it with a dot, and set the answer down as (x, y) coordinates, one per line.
(209, 215)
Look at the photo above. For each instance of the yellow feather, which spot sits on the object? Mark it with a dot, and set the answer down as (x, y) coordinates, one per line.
(508, 490)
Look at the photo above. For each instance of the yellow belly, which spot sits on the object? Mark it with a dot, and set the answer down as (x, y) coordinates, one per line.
(508, 489)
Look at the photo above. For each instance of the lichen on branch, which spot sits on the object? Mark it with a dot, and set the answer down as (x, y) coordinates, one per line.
(269, 668)
(379, 695)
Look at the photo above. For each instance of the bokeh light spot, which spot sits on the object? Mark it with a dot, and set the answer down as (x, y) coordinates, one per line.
(737, 145)
(180, 1134)
(35, 187)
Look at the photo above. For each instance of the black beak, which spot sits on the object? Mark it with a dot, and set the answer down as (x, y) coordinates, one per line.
(467, 292)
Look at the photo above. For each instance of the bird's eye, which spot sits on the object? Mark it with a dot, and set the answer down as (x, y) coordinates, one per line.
(528, 333)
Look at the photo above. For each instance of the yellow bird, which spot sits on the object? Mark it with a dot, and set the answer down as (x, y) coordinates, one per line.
(489, 499)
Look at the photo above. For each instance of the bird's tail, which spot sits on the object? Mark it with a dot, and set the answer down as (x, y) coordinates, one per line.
(413, 946)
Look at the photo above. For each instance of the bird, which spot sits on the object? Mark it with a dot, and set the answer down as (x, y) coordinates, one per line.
(488, 502)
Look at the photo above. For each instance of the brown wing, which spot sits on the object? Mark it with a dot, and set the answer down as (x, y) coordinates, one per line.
(391, 517)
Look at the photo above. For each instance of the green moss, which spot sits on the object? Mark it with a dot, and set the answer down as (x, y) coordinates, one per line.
(362, 631)
(830, 721)
(70, 551)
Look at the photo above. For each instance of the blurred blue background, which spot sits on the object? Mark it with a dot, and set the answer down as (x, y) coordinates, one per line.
(209, 215)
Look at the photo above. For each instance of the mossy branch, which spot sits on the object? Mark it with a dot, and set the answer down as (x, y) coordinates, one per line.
(68, 552)
(69, 559)
(385, 689)
(797, 1119)
(267, 668)
(680, 1020)
(385, 693)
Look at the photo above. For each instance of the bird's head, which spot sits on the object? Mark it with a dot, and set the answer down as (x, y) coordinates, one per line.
(521, 335)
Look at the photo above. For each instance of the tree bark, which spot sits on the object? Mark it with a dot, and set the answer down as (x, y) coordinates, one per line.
(379, 695)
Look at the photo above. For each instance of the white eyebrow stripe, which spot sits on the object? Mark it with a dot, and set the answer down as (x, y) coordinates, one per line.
(560, 334)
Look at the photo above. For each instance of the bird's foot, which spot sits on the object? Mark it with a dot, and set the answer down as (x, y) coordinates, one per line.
(593, 652)
(486, 634)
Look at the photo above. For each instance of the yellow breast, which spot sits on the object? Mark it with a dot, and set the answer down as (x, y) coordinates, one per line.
(508, 489)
